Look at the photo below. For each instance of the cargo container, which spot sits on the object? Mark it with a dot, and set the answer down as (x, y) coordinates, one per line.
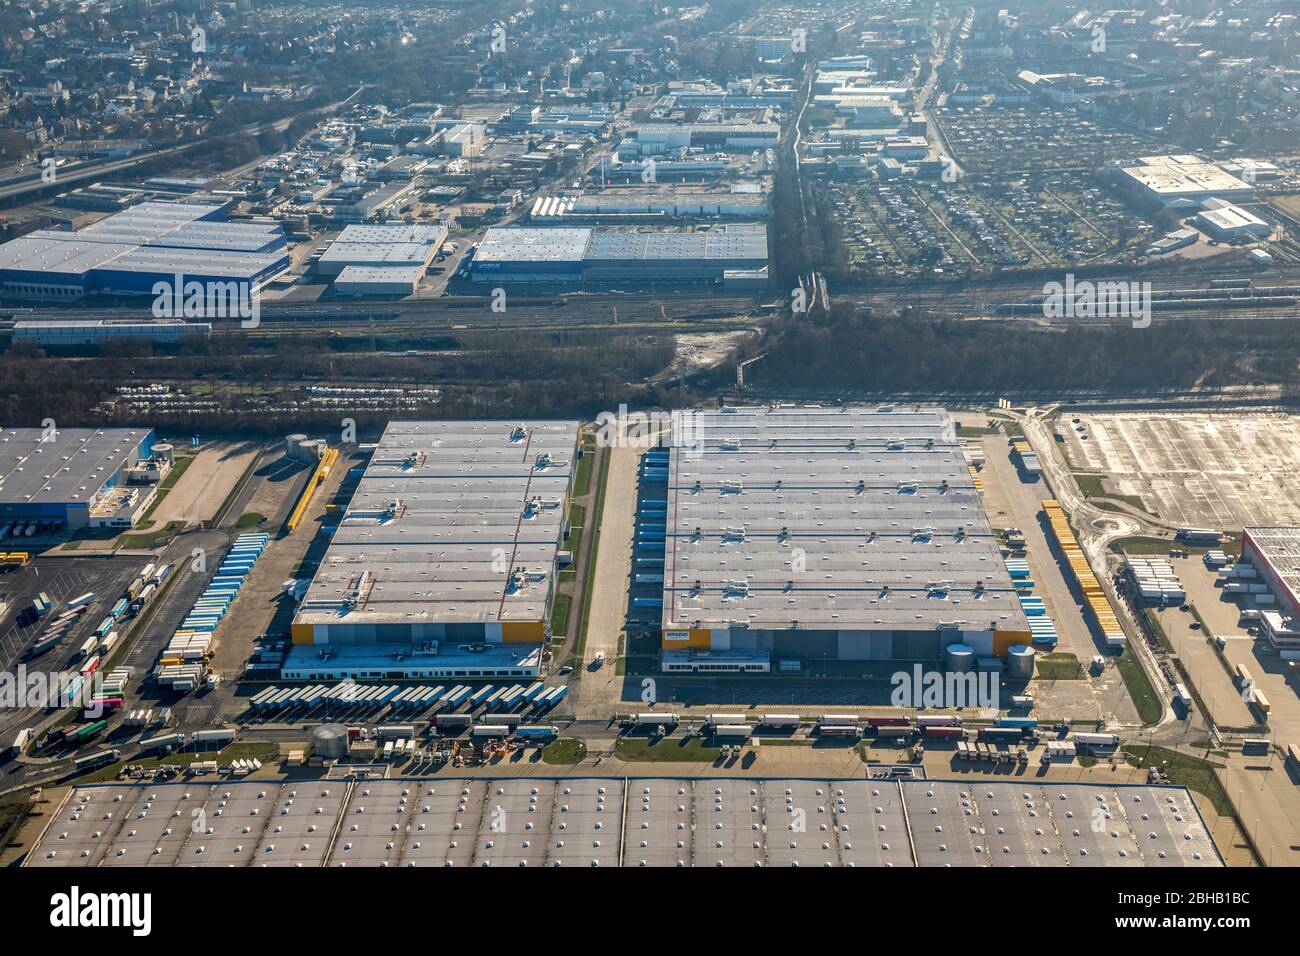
(655, 720)
(86, 732)
(1261, 702)
(780, 720)
(214, 737)
(87, 646)
(489, 731)
(831, 720)
(888, 722)
(1001, 734)
(536, 732)
(1096, 740)
(940, 732)
(716, 719)
(90, 666)
(1255, 746)
(533, 692)
(393, 731)
(44, 644)
(101, 759)
(838, 730)
(82, 601)
(938, 720)
(1025, 723)
(741, 730)
(452, 722)
(1022, 701)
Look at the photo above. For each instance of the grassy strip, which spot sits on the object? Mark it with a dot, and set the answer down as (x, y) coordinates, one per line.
(259, 750)
(1092, 487)
(149, 540)
(250, 519)
(1139, 687)
(1183, 770)
(579, 652)
(671, 750)
(1059, 666)
(560, 615)
(13, 811)
(565, 750)
(582, 473)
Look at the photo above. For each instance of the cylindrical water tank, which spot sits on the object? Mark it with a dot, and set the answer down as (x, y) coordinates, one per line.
(164, 452)
(1020, 662)
(330, 741)
(959, 658)
(291, 443)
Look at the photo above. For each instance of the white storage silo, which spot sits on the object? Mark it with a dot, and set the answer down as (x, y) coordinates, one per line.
(1020, 662)
(959, 658)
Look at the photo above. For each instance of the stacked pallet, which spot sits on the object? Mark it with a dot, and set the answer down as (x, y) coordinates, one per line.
(1088, 583)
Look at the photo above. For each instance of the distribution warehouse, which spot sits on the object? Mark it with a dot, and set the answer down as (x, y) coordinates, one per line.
(815, 535)
(445, 562)
(71, 477)
(131, 252)
(573, 255)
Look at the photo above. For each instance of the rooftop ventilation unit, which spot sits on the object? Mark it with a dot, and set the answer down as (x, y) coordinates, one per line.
(733, 534)
(938, 588)
(518, 433)
(732, 488)
(736, 589)
(730, 444)
(394, 508)
(897, 444)
(921, 535)
(908, 487)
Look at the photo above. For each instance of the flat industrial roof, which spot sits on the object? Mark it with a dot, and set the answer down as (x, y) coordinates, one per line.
(389, 233)
(70, 465)
(632, 822)
(475, 501)
(1280, 547)
(374, 253)
(1174, 176)
(855, 518)
(725, 243)
(510, 244)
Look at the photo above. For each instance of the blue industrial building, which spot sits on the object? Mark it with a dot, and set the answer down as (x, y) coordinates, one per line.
(132, 251)
(69, 478)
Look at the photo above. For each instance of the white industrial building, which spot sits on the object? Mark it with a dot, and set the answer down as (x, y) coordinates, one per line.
(1181, 181)
(383, 246)
(1224, 220)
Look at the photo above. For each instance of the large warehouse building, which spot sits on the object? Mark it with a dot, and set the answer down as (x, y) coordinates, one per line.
(1181, 182)
(71, 478)
(798, 537)
(445, 563)
(130, 252)
(1275, 554)
(604, 255)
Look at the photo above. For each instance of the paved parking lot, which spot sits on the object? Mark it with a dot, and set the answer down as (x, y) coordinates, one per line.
(1195, 470)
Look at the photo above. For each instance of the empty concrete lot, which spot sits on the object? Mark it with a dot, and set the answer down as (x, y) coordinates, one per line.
(1201, 470)
(593, 822)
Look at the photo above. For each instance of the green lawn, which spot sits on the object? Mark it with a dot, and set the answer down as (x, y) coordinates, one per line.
(1059, 666)
(1139, 687)
(560, 615)
(1093, 487)
(13, 811)
(564, 750)
(1154, 619)
(672, 749)
(148, 540)
(259, 750)
(582, 474)
(1184, 770)
(250, 519)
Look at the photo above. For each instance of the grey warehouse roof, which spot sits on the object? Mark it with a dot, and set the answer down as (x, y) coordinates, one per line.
(70, 466)
(829, 518)
(453, 522)
(637, 822)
